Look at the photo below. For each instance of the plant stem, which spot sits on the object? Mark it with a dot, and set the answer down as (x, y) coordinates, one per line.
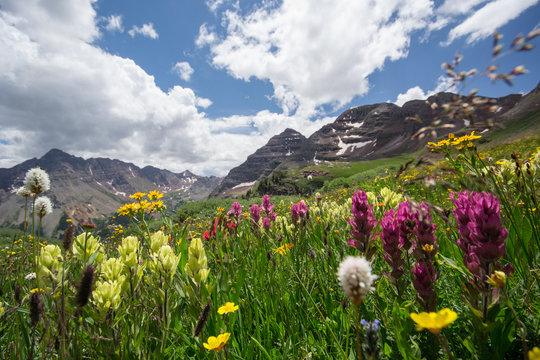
(444, 343)
(358, 338)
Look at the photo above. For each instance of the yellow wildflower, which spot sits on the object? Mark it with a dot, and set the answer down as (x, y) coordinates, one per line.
(229, 307)
(434, 321)
(155, 195)
(37, 290)
(427, 248)
(534, 354)
(137, 196)
(498, 279)
(217, 343)
(283, 249)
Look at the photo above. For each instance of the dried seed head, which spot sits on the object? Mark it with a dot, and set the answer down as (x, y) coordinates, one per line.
(202, 318)
(36, 307)
(85, 287)
(67, 241)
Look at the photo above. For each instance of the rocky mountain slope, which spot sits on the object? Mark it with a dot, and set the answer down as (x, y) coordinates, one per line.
(261, 163)
(94, 188)
(370, 132)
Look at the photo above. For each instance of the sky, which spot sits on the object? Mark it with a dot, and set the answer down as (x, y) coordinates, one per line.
(201, 84)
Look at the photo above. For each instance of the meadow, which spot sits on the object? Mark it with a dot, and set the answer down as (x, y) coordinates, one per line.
(433, 261)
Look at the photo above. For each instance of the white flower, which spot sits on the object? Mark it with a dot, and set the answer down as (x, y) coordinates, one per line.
(355, 278)
(23, 191)
(37, 181)
(30, 276)
(43, 206)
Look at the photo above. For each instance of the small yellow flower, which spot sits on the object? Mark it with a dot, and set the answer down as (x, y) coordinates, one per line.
(283, 249)
(137, 196)
(534, 354)
(68, 220)
(451, 136)
(17, 241)
(434, 322)
(427, 248)
(229, 307)
(217, 343)
(498, 279)
(37, 290)
(155, 195)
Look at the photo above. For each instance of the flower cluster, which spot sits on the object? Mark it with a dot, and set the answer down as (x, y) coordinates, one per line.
(196, 267)
(480, 228)
(452, 140)
(299, 213)
(141, 206)
(362, 222)
(391, 243)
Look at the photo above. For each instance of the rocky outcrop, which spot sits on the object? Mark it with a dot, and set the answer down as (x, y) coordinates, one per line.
(261, 163)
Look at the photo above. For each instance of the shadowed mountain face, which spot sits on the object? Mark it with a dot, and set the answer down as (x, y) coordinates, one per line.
(365, 133)
(381, 130)
(94, 188)
(262, 162)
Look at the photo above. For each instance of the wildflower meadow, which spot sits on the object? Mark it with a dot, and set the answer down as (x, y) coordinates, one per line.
(434, 261)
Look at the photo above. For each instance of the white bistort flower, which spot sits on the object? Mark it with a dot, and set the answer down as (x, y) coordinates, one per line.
(355, 278)
(24, 192)
(37, 181)
(43, 206)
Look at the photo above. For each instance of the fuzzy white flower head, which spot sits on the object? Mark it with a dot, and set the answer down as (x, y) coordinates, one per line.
(43, 206)
(355, 278)
(24, 192)
(30, 276)
(37, 181)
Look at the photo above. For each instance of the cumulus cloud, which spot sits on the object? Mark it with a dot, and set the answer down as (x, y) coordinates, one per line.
(146, 30)
(114, 23)
(489, 18)
(315, 53)
(90, 103)
(444, 84)
(184, 70)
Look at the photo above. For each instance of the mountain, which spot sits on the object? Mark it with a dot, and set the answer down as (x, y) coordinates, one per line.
(94, 188)
(383, 130)
(260, 164)
(372, 132)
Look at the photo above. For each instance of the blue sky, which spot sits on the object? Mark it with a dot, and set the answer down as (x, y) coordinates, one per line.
(200, 85)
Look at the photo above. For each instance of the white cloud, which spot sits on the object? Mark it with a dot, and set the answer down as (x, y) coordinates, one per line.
(114, 23)
(205, 37)
(90, 103)
(146, 30)
(489, 18)
(315, 53)
(458, 7)
(414, 93)
(444, 84)
(184, 70)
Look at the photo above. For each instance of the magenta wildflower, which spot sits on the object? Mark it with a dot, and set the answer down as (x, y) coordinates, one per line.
(391, 244)
(407, 221)
(266, 223)
(236, 210)
(299, 212)
(362, 222)
(482, 233)
(425, 246)
(425, 276)
(255, 212)
(266, 205)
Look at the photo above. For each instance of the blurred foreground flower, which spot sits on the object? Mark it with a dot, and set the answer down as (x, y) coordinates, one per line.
(217, 343)
(434, 321)
(355, 278)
